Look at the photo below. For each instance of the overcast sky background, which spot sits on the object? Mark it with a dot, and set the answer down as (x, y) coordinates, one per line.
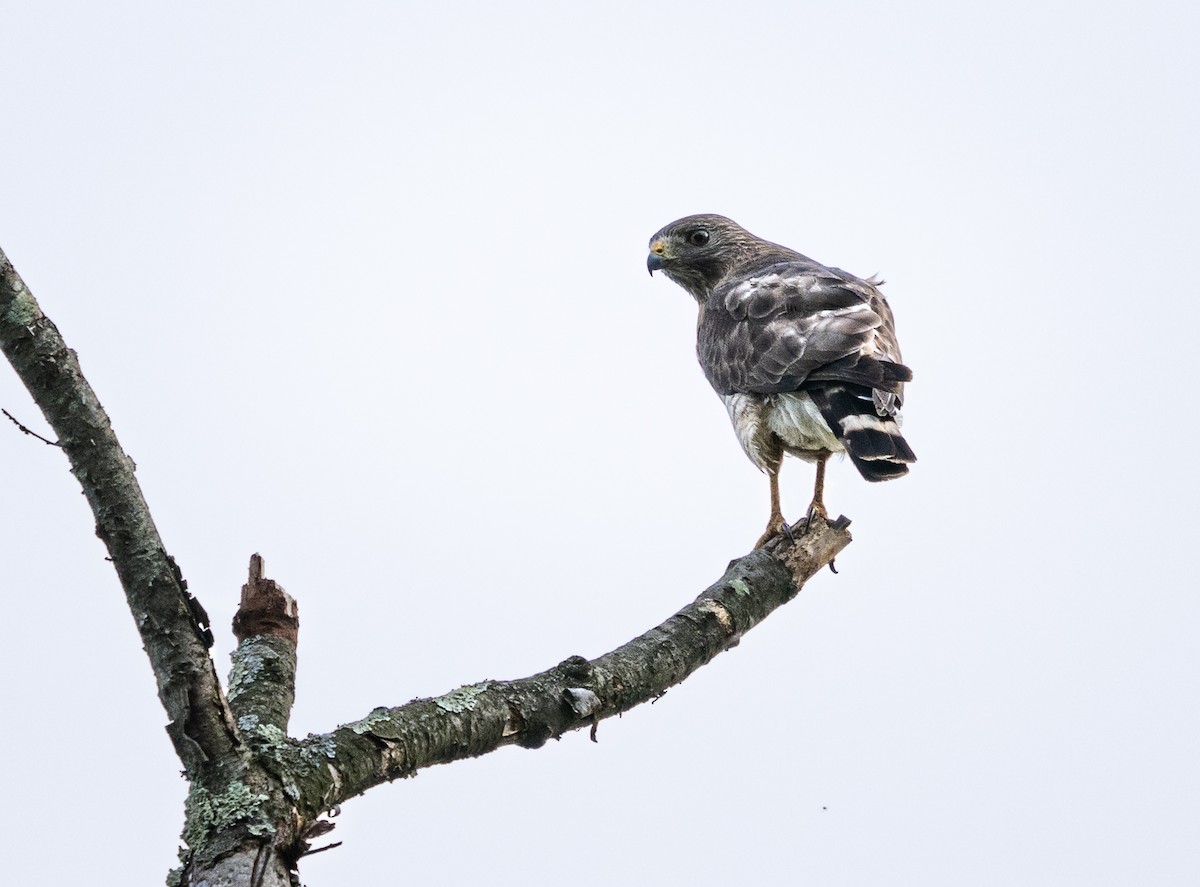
(363, 289)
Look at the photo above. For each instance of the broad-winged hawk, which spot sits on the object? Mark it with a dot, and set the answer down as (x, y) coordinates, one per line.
(804, 356)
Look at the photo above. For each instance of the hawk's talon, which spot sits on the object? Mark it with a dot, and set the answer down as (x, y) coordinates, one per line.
(816, 508)
(776, 527)
(798, 529)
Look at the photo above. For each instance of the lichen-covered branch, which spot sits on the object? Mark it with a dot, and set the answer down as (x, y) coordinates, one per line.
(393, 742)
(256, 795)
(172, 625)
(262, 682)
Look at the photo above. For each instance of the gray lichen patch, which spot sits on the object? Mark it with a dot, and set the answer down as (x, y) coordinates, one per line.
(262, 681)
(462, 699)
(739, 586)
(366, 725)
(271, 744)
(209, 814)
(249, 660)
(269, 734)
(314, 747)
(23, 310)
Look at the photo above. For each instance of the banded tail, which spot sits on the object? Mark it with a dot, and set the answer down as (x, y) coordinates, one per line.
(874, 442)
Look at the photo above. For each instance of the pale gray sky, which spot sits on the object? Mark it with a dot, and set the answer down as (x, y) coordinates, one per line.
(363, 289)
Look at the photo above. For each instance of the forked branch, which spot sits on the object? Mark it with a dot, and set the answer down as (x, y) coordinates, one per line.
(256, 794)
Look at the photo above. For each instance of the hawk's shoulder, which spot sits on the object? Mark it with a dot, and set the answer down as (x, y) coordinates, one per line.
(768, 327)
(794, 285)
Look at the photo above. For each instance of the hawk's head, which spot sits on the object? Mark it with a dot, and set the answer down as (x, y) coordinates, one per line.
(698, 251)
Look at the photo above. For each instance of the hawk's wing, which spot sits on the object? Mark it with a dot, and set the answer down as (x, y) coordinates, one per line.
(775, 328)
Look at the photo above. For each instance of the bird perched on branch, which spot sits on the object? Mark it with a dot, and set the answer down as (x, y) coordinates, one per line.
(804, 357)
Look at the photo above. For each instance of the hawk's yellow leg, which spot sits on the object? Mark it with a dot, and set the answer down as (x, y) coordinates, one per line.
(776, 524)
(817, 506)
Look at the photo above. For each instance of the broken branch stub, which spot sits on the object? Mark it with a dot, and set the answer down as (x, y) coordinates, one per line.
(266, 609)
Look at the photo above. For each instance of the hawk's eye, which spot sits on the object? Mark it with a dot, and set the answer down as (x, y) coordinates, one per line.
(698, 238)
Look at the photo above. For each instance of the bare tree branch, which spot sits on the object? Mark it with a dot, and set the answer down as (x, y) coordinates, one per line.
(389, 743)
(255, 794)
(262, 682)
(171, 622)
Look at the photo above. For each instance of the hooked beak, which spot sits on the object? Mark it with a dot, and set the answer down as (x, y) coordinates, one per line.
(655, 261)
